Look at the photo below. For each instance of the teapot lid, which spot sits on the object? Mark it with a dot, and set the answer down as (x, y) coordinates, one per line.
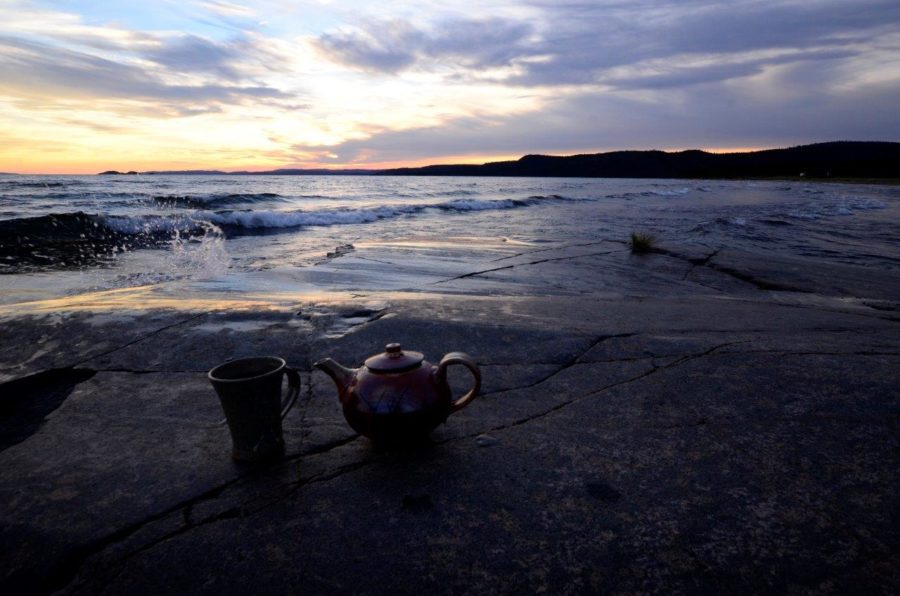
(394, 360)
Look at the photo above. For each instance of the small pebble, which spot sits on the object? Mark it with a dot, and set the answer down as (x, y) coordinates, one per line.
(486, 440)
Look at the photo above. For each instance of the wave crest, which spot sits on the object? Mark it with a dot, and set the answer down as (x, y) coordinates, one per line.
(63, 240)
(66, 240)
(247, 221)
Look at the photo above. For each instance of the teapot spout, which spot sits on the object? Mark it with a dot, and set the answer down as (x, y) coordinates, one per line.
(341, 375)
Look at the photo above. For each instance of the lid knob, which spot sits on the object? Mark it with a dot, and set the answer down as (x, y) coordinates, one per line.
(394, 360)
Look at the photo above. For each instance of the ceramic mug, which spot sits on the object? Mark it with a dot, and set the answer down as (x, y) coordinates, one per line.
(249, 390)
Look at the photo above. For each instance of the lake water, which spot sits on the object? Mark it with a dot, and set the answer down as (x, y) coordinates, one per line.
(69, 235)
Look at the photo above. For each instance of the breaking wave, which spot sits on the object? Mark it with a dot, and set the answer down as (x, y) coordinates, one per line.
(63, 240)
(248, 221)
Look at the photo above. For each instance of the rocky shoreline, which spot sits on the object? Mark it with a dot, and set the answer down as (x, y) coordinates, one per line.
(692, 420)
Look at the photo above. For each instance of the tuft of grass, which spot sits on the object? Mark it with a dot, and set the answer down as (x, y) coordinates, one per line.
(642, 243)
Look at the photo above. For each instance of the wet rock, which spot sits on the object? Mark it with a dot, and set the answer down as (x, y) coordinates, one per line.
(417, 503)
(645, 435)
(603, 491)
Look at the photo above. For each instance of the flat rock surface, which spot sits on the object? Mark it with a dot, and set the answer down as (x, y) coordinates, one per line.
(680, 422)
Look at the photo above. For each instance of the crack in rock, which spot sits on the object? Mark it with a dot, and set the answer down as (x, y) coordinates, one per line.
(595, 392)
(730, 271)
(241, 510)
(567, 365)
(540, 363)
(140, 339)
(702, 262)
(68, 569)
(759, 283)
(538, 262)
(531, 252)
(376, 260)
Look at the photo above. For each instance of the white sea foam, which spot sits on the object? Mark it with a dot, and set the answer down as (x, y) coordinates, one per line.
(259, 219)
(146, 224)
(670, 192)
(198, 256)
(485, 205)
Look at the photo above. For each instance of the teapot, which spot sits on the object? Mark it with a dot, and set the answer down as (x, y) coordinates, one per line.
(398, 396)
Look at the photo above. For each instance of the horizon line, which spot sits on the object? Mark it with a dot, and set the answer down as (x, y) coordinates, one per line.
(376, 168)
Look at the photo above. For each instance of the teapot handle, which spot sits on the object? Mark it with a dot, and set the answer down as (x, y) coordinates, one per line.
(468, 362)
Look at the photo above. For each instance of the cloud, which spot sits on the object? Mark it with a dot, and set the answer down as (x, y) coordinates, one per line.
(679, 77)
(480, 43)
(583, 40)
(794, 24)
(690, 118)
(97, 126)
(59, 57)
(191, 53)
(227, 9)
(391, 46)
(586, 43)
(388, 46)
(34, 69)
(234, 60)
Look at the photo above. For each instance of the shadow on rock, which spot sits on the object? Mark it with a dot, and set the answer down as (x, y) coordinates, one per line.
(25, 402)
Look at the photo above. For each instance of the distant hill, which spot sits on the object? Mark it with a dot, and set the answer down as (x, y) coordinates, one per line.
(279, 172)
(310, 172)
(840, 159)
(189, 172)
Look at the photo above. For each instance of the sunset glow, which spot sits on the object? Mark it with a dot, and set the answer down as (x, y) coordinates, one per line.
(204, 84)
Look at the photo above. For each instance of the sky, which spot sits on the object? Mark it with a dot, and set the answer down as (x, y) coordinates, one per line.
(90, 85)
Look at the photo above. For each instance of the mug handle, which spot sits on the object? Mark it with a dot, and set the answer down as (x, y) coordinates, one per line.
(293, 390)
(468, 362)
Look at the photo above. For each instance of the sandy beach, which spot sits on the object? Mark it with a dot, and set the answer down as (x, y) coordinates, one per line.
(683, 421)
